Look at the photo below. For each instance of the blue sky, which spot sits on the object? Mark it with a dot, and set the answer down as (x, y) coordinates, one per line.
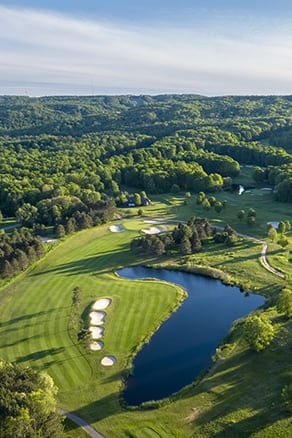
(145, 46)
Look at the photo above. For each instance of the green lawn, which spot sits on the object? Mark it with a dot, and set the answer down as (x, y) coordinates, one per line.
(241, 393)
(35, 316)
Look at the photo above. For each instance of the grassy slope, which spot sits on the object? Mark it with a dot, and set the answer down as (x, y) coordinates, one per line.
(239, 394)
(36, 314)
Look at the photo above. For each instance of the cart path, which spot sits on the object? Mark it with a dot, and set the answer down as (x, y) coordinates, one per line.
(264, 260)
(85, 426)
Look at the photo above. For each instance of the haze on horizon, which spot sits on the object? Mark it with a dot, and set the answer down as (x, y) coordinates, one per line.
(147, 47)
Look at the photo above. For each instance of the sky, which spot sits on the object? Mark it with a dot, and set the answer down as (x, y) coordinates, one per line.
(85, 47)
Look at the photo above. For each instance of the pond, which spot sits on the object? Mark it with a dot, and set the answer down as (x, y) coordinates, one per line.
(184, 344)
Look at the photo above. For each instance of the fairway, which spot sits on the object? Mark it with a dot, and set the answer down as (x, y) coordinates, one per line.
(36, 324)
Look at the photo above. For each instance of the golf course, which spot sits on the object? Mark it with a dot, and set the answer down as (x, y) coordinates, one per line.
(39, 327)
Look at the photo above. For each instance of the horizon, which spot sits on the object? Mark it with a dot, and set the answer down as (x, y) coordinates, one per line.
(205, 96)
(149, 48)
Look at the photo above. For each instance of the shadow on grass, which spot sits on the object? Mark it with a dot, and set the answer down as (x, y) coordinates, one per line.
(25, 317)
(103, 263)
(96, 411)
(246, 393)
(39, 354)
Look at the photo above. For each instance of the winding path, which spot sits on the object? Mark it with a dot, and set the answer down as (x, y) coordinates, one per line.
(263, 257)
(89, 429)
(266, 264)
(85, 426)
(264, 260)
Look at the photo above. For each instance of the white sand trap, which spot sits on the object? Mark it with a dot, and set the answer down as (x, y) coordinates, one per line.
(48, 240)
(274, 224)
(96, 332)
(267, 188)
(117, 228)
(108, 361)
(101, 304)
(95, 346)
(153, 221)
(97, 318)
(152, 230)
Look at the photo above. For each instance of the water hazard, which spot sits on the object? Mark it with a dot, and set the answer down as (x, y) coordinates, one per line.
(185, 343)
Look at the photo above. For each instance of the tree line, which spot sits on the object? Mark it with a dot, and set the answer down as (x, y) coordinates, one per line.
(18, 250)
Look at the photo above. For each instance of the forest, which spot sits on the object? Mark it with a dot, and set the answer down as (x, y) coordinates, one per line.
(66, 160)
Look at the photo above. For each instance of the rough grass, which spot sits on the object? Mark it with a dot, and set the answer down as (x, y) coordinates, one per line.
(239, 397)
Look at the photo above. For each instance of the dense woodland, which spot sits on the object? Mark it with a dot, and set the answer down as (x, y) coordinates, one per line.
(61, 156)
(17, 251)
(27, 404)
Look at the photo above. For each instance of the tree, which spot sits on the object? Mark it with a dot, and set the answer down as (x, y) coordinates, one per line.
(71, 225)
(185, 246)
(218, 206)
(284, 302)
(281, 227)
(272, 234)
(27, 214)
(251, 220)
(157, 246)
(241, 214)
(27, 403)
(206, 204)
(7, 269)
(137, 199)
(212, 200)
(60, 231)
(258, 174)
(251, 213)
(200, 198)
(140, 212)
(258, 332)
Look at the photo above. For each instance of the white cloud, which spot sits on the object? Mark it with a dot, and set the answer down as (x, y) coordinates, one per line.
(48, 48)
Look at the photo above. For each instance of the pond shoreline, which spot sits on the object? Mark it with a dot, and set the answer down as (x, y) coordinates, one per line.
(182, 348)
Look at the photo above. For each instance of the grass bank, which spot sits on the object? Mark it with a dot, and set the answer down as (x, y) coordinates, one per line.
(241, 396)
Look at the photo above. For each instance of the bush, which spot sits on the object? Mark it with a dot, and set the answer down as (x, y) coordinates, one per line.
(258, 332)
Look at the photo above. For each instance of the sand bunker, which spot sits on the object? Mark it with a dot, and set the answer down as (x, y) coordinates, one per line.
(108, 361)
(48, 240)
(101, 304)
(152, 230)
(274, 224)
(95, 346)
(96, 332)
(153, 221)
(117, 228)
(97, 318)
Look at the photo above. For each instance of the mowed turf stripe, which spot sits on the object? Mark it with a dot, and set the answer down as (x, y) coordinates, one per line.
(88, 260)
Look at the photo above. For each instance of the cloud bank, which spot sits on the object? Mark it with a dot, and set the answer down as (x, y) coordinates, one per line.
(49, 53)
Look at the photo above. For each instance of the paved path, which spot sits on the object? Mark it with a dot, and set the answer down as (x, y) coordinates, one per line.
(264, 260)
(85, 426)
(266, 263)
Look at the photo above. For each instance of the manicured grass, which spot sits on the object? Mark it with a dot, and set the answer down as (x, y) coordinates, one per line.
(35, 323)
(240, 396)
(261, 201)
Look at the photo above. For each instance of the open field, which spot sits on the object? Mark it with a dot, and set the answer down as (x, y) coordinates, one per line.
(237, 398)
